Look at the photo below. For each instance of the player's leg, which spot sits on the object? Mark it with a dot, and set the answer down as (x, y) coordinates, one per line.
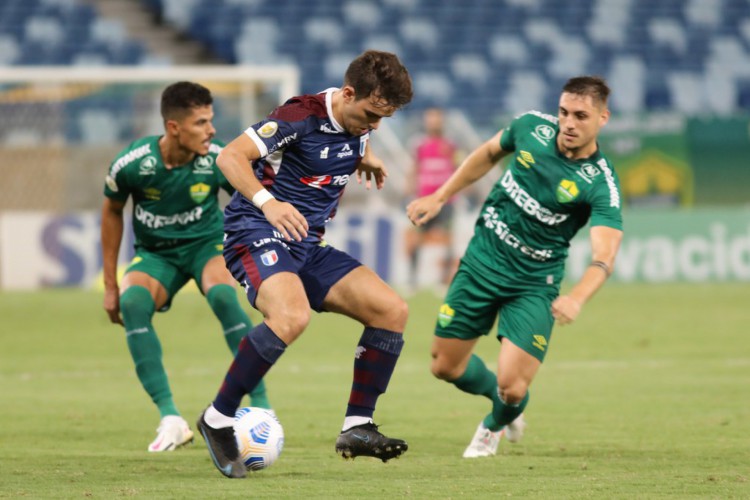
(141, 295)
(218, 286)
(268, 273)
(357, 292)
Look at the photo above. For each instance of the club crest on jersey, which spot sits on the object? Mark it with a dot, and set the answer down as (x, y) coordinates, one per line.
(202, 165)
(567, 191)
(147, 166)
(268, 130)
(269, 258)
(199, 192)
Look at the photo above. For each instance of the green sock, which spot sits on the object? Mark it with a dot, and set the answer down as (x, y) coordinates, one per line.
(236, 324)
(137, 309)
(477, 379)
(503, 413)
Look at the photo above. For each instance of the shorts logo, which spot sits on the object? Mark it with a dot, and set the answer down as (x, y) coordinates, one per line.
(567, 191)
(269, 258)
(199, 192)
(445, 316)
(540, 342)
(268, 130)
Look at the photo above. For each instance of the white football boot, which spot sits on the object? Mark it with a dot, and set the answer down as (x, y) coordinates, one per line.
(484, 443)
(172, 433)
(514, 430)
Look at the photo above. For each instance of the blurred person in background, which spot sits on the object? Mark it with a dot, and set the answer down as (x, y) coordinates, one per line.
(174, 183)
(434, 163)
(290, 171)
(556, 182)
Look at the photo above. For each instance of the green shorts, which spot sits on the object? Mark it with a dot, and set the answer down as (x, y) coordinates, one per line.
(173, 267)
(474, 301)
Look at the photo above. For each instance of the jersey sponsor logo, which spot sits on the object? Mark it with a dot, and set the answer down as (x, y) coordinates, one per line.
(151, 193)
(543, 134)
(111, 183)
(528, 204)
(324, 153)
(326, 129)
(283, 142)
(345, 151)
(567, 191)
(446, 315)
(318, 181)
(128, 158)
(203, 164)
(147, 166)
(199, 192)
(154, 221)
(525, 158)
(614, 194)
(587, 172)
(277, 238)
(540, 342)
(268, 129)
(492, 222)
(269, 258)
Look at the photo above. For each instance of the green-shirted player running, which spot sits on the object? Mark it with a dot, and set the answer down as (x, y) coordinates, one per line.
(556, 181)
(174, 183)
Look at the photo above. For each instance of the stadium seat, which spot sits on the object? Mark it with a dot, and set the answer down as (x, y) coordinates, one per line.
(10, 52)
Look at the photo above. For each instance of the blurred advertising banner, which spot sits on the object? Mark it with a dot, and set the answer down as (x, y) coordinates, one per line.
(39, 249)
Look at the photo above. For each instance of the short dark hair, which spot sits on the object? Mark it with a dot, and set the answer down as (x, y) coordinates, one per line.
(381, 74)
(180, 97)
(594, 86)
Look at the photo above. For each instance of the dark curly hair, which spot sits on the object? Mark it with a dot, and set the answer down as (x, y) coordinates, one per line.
(380, 74)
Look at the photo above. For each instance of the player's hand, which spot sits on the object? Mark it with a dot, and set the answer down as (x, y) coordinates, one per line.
(423, 209)
(565, 309)
(112, 305)
(287, 219)
(371, 167)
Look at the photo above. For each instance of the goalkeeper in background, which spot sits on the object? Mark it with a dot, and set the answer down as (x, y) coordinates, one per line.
(556, 180)
(174, 182)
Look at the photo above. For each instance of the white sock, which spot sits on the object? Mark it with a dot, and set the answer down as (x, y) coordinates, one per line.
(354, 421)
(214, 418)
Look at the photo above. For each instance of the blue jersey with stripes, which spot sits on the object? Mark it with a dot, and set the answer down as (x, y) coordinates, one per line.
(307, 159)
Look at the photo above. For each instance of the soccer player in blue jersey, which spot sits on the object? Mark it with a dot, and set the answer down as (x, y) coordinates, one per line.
(174, 183)
(290, 171)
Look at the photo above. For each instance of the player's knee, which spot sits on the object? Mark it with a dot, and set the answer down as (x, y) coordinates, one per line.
(393, 313)
(513, 392)
(442, 368)
(136, 304)
(291, 324)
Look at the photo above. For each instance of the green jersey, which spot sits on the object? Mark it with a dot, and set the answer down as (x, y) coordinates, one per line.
(541, 201)
(173, 205)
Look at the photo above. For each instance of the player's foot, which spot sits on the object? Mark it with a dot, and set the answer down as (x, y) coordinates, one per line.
(222, 446)
(172, 433)
(365, 441)
(514, 430)
(484, 443)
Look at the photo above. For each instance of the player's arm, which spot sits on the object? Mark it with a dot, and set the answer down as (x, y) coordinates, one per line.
(235, 162)
(371, 166)
(112, 227)
(605, 242)
(473, 168)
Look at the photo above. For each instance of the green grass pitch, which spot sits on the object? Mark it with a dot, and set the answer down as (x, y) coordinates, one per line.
(646, 396)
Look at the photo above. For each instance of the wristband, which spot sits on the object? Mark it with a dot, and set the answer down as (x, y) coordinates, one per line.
(261, 197)
(601, 265)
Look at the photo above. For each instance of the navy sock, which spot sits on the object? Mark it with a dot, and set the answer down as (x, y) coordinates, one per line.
(374, 362)
(258, 351)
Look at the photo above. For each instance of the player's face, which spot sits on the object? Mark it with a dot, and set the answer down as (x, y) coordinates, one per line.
(580, 121)
(195, 131)
(362, 115)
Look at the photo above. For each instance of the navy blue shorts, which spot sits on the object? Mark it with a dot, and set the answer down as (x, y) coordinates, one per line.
(254, 255)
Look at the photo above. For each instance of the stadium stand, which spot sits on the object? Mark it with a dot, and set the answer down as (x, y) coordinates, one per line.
(485, 57)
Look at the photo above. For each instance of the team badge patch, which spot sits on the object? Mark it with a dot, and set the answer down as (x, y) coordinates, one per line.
(199, 192)
(111, 183)
(567, 191)
(268, 130)
(445, 316)
(269, 258)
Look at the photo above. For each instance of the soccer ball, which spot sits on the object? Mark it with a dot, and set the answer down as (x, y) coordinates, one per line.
(260, 437)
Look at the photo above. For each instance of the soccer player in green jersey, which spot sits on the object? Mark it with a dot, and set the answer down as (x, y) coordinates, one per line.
(556, 181)
(174, 183)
